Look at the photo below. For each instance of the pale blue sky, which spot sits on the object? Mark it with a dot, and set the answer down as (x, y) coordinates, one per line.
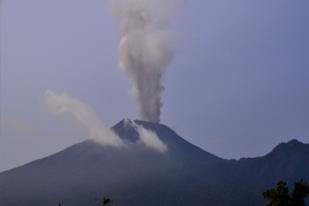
(238, 84)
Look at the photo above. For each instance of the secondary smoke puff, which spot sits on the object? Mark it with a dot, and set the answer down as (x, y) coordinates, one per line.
(145, 49)
(82, 113)
(149, 138)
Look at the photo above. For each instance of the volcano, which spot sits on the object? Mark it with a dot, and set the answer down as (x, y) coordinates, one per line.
(183, 175)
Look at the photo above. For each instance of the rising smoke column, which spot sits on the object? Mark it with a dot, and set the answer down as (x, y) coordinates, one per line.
(145, 49)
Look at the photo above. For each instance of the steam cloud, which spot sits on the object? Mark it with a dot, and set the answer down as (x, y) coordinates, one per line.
(62, 104)
(82, 113)
(151, 140)
(145, 49)
(148, 138)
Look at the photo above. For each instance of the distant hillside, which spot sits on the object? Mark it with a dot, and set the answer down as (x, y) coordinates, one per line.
(136, 176)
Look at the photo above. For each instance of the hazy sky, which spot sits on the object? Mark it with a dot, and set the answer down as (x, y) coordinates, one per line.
(237, 86)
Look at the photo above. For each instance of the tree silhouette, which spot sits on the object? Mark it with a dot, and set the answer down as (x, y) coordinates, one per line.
(300, 192)
(104, 201)
(280, 196)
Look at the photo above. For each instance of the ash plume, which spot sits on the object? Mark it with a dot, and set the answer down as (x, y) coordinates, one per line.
(63, 104)
(145, 49)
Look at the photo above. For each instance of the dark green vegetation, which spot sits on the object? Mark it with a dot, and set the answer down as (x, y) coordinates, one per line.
(136, 176)
(281, 196)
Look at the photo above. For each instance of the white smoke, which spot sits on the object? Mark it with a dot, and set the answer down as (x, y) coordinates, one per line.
(145, 49)
(149, 138)
(65, 105)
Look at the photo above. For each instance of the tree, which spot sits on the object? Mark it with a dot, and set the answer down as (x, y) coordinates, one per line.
(280, 196)
(104, 201)
(300, 192)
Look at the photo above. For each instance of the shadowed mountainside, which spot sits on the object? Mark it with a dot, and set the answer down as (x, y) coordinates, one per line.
(184, 175)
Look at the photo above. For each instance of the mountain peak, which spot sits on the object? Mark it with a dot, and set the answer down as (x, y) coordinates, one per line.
(126, 129)
(129, 123)
(292, 146)
(294, 142)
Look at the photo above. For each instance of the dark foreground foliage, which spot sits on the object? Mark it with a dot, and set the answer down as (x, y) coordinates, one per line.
(281, 196)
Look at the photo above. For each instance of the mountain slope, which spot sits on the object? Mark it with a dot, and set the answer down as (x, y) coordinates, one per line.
(184, 175)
